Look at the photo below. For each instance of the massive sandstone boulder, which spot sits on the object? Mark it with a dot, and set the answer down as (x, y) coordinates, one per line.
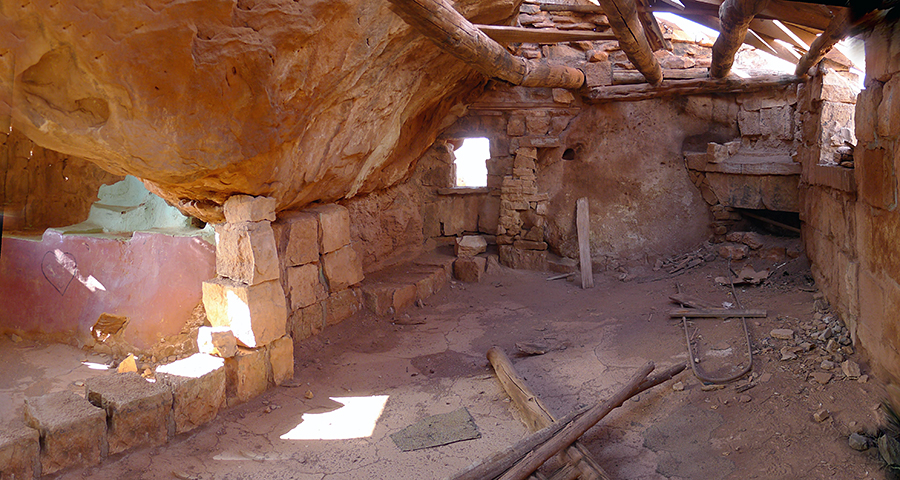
(301, 100)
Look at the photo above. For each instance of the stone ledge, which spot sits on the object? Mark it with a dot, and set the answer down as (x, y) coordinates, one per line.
(838, 178)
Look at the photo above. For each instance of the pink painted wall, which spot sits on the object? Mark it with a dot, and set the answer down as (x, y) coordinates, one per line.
(60, 285)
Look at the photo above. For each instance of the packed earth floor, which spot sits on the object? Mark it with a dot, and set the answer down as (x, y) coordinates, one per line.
(777, 422)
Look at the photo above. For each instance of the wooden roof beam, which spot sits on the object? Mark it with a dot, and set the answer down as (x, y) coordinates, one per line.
(443, 25)
(700, 86)
(735, 17)
(625, 24)
(836, 31)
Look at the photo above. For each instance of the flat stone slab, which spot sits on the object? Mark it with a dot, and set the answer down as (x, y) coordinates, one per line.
(72, 431)
(198, 389)
(138, 412)
(20, 450)
(437, 430)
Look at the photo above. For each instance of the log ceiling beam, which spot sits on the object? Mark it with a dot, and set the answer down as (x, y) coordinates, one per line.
(703, 86)
(625, 24)
(446, 27)
(735, 17)
(540, 35)
(835, 32)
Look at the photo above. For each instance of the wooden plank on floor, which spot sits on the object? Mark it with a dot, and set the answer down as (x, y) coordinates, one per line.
(716, 313)
(583, 224)
(504, 34)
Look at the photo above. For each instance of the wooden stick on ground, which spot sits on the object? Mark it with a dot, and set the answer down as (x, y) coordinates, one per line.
(499, 462)
(537, 416)
(716, 313)
(583, 227)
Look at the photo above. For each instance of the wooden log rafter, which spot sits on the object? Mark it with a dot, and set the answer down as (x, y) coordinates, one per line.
(734, 17)
(702, 86)
(442, 24)
(836, 31)
(504, 34)
(624, 21)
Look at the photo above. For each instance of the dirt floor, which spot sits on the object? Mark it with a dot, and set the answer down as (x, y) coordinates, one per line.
(431, 360)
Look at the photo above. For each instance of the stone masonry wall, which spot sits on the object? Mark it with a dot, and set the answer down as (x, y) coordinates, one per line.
(851, 222)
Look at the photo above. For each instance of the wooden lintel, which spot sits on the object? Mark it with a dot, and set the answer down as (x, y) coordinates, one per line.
(702, 86)
(540, 35)
(836, 31)
(553, 7)
(734, 17)
(626, 25)
(630, 77)
(447, 28)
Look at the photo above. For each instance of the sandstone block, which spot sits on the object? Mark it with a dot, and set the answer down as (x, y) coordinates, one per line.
(518, 258)
(246, 252)
(244, 208)
(341, 306)
(488, 214)
(598, 73)
(247, 374)
(749, 123)
(379, 298)
(218, 341)
(733, 251)
(404, 296)
(516, 126)
(561, 95)
(469, 269)
(256, 314)
(281, 356)
(342, 268)
(304, 285)
(537, 124)
(20, 450)
(72, 431)
(889, 109)
(137, 412)
(334, 227)
(529, 245)
(198, 389)
(597, 56)
(307, 321)
(297, 238)
(470, 245)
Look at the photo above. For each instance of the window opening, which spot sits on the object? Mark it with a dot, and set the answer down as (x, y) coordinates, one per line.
(471, 162)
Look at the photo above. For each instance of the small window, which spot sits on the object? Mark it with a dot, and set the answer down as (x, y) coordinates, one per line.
(471, 169)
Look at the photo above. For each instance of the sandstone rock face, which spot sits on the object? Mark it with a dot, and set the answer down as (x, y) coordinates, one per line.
(301, 101)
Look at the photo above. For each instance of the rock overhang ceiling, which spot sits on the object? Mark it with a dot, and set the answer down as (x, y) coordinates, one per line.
(299, 100)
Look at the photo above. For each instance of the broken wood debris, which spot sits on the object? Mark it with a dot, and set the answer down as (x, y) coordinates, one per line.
(537, 416)
(691, 301)
(545, 443)
(717, 313)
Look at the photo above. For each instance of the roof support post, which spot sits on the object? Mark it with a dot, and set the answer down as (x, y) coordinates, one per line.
(442, 24)
(625, 24)
(735, 17)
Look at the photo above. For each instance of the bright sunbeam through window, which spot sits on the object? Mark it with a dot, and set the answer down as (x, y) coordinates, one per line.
(471, 169)
(356, 419)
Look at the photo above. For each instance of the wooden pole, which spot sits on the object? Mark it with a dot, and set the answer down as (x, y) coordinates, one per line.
(537, 416)
(498, 463)
(625, 24)
(575, 429)
(704, 86)
(442, 24)
(836, 31)
(735, 17)
(583, 226)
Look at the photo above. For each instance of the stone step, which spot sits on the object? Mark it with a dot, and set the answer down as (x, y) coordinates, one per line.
(395, 288)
